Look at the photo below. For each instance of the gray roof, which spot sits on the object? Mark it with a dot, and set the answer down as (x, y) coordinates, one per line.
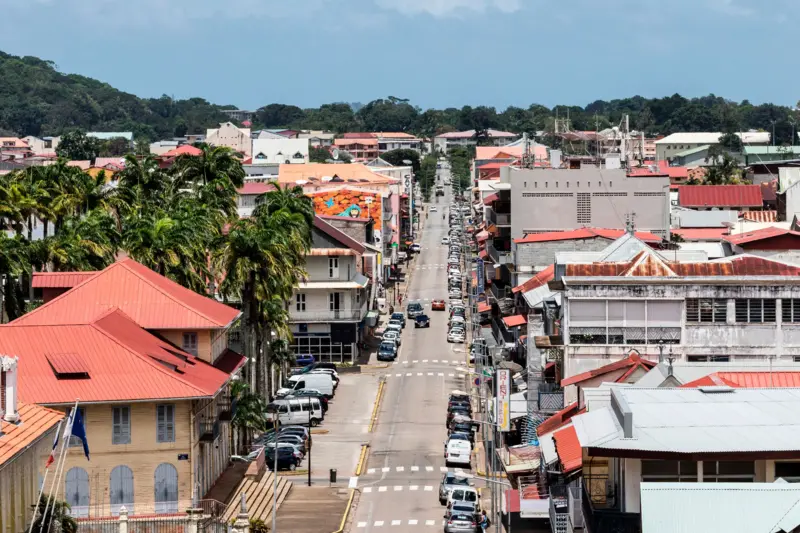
(626, 248)
(704, 420)
(720, 507)
(692, 151)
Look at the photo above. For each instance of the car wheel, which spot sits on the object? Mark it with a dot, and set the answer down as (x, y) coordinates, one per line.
(292, 466)
(314, 422)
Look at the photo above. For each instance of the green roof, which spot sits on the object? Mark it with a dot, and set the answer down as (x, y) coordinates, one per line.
(692, 151)
(771, 150)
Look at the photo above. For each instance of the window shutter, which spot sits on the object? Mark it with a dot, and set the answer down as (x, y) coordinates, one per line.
(170, 422)
(161, 423)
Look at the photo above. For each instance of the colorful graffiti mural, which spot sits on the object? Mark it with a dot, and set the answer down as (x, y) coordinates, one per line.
(349, 203)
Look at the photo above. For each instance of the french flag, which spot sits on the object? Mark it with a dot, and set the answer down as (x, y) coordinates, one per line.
(52, 457)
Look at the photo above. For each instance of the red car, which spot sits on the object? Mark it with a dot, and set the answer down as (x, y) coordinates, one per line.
(437, 305)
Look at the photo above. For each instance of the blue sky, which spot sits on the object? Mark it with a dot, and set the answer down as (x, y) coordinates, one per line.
(437, 53)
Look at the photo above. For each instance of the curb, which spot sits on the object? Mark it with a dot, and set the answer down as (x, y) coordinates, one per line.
(374, 417)
(362, 459)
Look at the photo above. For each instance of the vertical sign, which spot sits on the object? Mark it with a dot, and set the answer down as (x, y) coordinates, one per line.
(503, 378)
(480, 272)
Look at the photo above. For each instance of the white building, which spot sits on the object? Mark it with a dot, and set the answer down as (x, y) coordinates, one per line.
(317, 138)
(45, 145)
(280, 151)
(445, 141)
(673, 144)
(238, 139)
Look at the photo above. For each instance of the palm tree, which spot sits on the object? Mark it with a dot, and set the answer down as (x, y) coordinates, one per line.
(57, 520)
(14, 262)
(215, 175)
(90, 242)
(250, 412)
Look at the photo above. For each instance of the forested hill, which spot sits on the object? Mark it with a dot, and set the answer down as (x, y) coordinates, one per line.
(36, 99)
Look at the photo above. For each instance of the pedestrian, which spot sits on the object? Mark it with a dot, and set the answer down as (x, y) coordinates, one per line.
(484, 521)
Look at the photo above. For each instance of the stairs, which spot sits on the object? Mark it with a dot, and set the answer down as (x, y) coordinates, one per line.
(259, 494)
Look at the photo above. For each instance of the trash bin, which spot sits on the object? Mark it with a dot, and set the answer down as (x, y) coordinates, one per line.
(333, 475)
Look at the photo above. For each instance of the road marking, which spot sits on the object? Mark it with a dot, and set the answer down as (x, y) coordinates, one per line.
(424, 360)
(430, 373)
(405, 362)
(435, 361)
(396, 522)
(443, 469)
(427, 523)
(409, 373)
(428, 488)
(450, 375)
(401, 468)
(362, 524)
(413, 487)
(385, 469)
(441, 374)
(429, 469)
(419, 373)
(366, 489)
(415, 469)
(398, 375)
(381, 489)
(410, 523)
(379, 523)
(370, 471)
(398, 488)
(415, 361)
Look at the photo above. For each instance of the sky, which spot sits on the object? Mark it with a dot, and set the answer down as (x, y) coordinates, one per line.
(437, 53)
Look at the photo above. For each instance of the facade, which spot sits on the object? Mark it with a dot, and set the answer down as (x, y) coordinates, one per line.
(671, 145)
(361, 149)
(317, 138)
(280, 151)
(45, 145)
(547, 199)
(248, 196)
(239, 115)
(767, 154)
(444, 142)
(328, 308)
(237, 139)
(150, 363)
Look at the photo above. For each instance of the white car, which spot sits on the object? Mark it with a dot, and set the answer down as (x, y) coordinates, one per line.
(445, 240)
(395, 325)
(456, 335)
(434, 209)
(464, 494)
(392, 336)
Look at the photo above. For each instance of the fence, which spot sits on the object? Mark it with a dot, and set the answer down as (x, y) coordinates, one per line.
(194, 521)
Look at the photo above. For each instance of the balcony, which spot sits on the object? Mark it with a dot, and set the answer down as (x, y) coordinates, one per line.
(550, 398)
(226, 408)
(499, 219)
(327, 316)
(504, 257)
(603, 518)
(208, 431)
(559, 509)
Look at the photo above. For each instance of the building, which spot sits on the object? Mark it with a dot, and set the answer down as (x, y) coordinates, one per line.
(43, 146)
(776, 243)
(248, 196)
(725, 197)
(317, 138)
(150, 363)
(14, 146)
(633, 437)
(552, 199)
(239, 115)
(671, 145)
(26, 437)
(361, 149)
(111, 135)
(755, 155)
(280, 151)
(237, 139)
(328, 309)
(444, 142)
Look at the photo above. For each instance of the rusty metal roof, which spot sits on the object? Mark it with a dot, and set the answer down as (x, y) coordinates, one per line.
(631, 362)
(585, 233)
(720, 196)
(761, 235)
(536, 281)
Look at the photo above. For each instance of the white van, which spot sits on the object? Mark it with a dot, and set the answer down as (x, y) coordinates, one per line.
(312, 380)
(459, 452)
(297, 411)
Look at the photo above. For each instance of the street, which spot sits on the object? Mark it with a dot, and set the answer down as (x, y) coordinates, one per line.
(400, 482)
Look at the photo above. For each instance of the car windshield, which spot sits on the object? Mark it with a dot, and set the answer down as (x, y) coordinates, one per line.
(387, 347)
(453, 479)
(461, 517)
(397, 316)
(414, 307)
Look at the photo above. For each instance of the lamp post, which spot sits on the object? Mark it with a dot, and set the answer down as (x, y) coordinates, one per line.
(309, 440)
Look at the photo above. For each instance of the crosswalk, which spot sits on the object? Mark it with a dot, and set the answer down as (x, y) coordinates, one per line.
(424, 374)
(411, 522)
(434, 361)
(416, 468)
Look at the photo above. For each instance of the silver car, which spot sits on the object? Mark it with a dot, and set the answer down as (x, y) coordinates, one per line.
(449, 482)
(460, 523)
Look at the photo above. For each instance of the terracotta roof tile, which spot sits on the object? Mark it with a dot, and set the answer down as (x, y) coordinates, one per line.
(255, 187)
(760, 216)
(720, 196)
(569, 449)
(484, 307)
(35, 422)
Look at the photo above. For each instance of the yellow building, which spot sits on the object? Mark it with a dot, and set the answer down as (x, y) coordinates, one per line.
(149, 363)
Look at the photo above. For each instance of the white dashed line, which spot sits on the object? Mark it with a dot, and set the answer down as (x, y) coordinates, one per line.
(362, 524)
(415, 469)
(443, 469)
(428, 488)
(396, 522)
(450, 375)
(366, 489)
(419, 373)
(427, 523)
(370, 471)
(435, 361)
(381, 489)
(429, 469)
(398, 488)
(401, 468)
(424, 360)
(413, 487)
(441, 374)
(379, 523)
(385, 469)
(412, 522)
(430, 373)
(415, 362)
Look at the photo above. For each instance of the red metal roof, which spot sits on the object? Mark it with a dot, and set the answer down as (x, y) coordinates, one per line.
(151, 300)
(648, 264)
(491, 198)
(631, 362)
(482, 236)
(35, 422)
(340, 218)
(483, 254)
(186, 149)
(536, 281)
(123, 363)
(720, 196)
(493, 166)
(483, 307)
(67, 363)
(255, 187)
(777, 380)
(676, 173)
(569, 450)
(559, 419)
(701, 234)
(585, 233)
(514, 321)
(59, 280)
(760, 235)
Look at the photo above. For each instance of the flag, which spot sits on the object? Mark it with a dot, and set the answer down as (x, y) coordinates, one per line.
(77, 429)
(52, 458)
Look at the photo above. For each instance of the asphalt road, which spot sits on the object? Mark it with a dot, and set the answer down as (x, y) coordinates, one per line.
(399, 487)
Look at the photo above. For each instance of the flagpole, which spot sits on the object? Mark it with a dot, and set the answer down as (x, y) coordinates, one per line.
(44, 482)
(60, 464)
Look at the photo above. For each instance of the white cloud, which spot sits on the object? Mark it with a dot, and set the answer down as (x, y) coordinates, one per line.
(443, 8)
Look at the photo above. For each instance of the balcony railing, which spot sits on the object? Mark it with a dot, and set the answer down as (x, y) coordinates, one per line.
(504, 257)
(559, 509)
(499, 219)
(550, 397)
(226, 407)
(600, 520)
(574, 508)
(327, 316)
(208, 431)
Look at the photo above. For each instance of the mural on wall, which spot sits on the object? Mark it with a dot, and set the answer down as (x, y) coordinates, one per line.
(349, 203)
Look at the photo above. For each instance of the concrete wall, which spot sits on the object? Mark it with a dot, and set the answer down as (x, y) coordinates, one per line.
(548, 200)
(543, 254)
(288, 148)
(317, 268)
(666, 151)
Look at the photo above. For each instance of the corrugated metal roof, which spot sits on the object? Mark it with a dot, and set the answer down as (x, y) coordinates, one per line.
(482, 236)
(777, 380)
(569, 449)
(694, 421)
(684, 371)
(701, 234)
(151, 300)
(720, 196)
(67, 363)
(59, 280)
(123, 363)
(585, 233)
(34, 422)
(719, 507)
(631, 362)
(558, 420)
(760, 235)
(483, 307)
(491, 199)
(337, 234)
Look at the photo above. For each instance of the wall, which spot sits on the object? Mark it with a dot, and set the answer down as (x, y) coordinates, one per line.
(19, 484)
(229, 135)
(317, 268)
(142, 455)
(209, 459)
(353, 228)
(204, 351)
(546, 200)
(288, 148)
(665, 151)
(348, 202)
(543, 254)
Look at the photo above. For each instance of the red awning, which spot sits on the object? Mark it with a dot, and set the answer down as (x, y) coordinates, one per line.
(483, 307)
(483, 254)
(489, 200)
(514, 321)
(482, 236)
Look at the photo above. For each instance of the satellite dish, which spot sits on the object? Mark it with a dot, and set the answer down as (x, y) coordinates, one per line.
(326, 178)
(335, 153)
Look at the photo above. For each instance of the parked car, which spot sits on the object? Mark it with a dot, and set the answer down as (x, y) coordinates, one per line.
(456, 335)
(392, 336)
(387, 351)
(437, 305)
(311, 393)
(415, 248)
(399, 317)
(445, 240)
(303, 359)
(460, 523)
(394, 325)
(449, 482)
(422, 321)
(286, 459)
(463, 494)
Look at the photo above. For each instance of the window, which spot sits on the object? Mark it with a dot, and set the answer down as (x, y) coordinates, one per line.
(121, 489)
(625, 321)
(584, 208)
(669, 471)
(121, 425)
(190, 343)
(788, 471)
(706, 310)
(755, 311)
(728, 471)
(300, 301)
(358, 297)
(76, 492)
(166, 489)
(790, 310)
(294, 407)
(333, 267)
(709, 358)
(165, 423)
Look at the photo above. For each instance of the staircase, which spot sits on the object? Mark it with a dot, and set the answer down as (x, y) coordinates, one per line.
(260, 495)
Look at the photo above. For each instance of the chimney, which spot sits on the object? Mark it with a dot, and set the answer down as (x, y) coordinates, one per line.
(623, 413)
(8, 389)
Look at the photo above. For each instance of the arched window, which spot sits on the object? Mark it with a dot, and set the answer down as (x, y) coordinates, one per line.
(166, 487)
(76, 492)
(121, 489)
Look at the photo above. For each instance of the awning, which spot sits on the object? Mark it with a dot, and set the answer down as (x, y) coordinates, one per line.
(483, 307)
(483, 254)
(569, 449)
(491, 199)
(514, 321)
(482, 236)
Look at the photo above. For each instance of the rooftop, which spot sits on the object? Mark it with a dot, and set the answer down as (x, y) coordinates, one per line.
(762, 235)
(185, 149)
(151, 300)
(569, 449)
(585, 233)
(712, 137)
(471, 133)
(778, 380)
(35, 422)
(720, 196)
(59, 280)
(320, 174)
(685, 372)
(707, 420)
(629, 364)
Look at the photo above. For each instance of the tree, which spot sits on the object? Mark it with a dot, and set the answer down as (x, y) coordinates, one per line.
(391, 114)
(318, 154)
(118, 146)
(724, 169)
(731, 142)
(279, 116)
(57, 519)
(76, 146)
(397, 158)
(250, 415)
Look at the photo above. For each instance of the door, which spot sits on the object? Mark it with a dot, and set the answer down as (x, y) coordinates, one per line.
(121, 489)
(335, 303)
(76, 492)
(296, 415)
(166, 489)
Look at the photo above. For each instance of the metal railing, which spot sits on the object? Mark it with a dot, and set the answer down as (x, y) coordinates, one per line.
(499, 219)
(503, 257)
(351, 315)
(549, 397)
(574, 507)
(559, 508)
(208, 430)
(599, 520)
